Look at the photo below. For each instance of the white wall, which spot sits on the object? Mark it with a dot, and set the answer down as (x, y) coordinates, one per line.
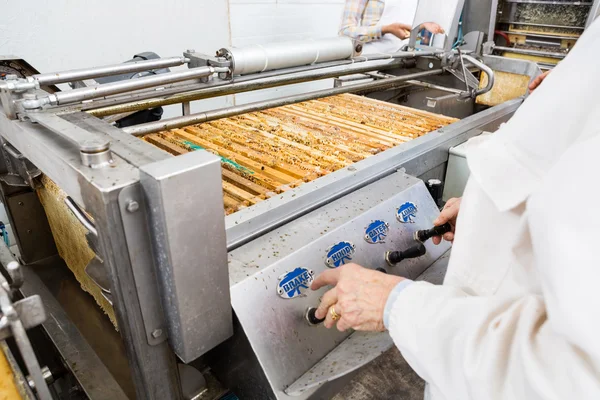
(265, 21)
(56, 35)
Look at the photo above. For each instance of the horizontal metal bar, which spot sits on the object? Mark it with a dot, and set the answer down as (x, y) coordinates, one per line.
(531, 52)
(541, 43)
(542, 35)
(561, 3)
(107, 70)
(107, 89)
(140, 130)
(432, 86)
(249, 83)
(543, 25)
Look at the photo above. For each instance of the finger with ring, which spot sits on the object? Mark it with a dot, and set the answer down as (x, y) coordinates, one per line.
(334, 316)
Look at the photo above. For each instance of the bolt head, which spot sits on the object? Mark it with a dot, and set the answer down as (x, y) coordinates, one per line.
(157, 333)
(133, 206)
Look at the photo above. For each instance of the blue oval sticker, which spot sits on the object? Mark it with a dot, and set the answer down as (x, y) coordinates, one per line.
(295, 283)
(377, 231)
(407, 213)
(339, 254)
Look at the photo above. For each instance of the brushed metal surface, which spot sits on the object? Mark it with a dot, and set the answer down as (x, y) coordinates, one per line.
(285, 346)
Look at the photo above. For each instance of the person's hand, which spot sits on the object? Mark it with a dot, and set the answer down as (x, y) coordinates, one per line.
(433, 27)
(401, 31)
(537, 81)
(358, 297)
(448, 214)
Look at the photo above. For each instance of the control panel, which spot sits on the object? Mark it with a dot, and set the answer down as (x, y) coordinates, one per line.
(271, 276)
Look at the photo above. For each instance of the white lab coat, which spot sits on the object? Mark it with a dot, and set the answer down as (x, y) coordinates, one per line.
(518, 316)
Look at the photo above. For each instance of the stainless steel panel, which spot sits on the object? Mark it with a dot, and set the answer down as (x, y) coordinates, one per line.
(285, 345)
(185, 201)
(359, 349)
(135, 225)
(153, 367)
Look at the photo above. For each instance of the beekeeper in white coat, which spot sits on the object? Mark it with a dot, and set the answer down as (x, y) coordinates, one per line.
(518, 316)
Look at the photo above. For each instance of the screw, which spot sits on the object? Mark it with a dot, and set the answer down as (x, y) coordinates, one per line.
(28, 230)
(20, 203)
(157, 333)
(133, 206)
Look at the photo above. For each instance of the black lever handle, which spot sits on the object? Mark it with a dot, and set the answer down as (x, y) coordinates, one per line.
(311, 317)
(394, 257)
(425, 235)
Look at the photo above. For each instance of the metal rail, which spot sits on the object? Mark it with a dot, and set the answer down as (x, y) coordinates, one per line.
(531, 52)
(178, 122)
(107, 70)
(260, 81)
(89, 93)
(418, 156)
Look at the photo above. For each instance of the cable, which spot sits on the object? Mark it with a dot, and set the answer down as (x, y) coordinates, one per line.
(459, 37)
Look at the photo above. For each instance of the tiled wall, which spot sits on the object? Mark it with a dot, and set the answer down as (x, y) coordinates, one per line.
(266, 21)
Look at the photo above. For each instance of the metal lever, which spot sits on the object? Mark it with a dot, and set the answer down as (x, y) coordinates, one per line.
(311, 318)
(426, 234)
(80, 215)
(394, 257)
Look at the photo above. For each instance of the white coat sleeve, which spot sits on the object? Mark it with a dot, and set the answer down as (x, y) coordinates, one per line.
(529, 347)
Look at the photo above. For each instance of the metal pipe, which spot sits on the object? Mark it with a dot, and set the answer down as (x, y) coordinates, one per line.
(143, 129)
(127, 100)
(73, 96)
(246, 85)
(487, 70)
(531, 52)
(107, 70)
(273, 56)
(432, 86)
